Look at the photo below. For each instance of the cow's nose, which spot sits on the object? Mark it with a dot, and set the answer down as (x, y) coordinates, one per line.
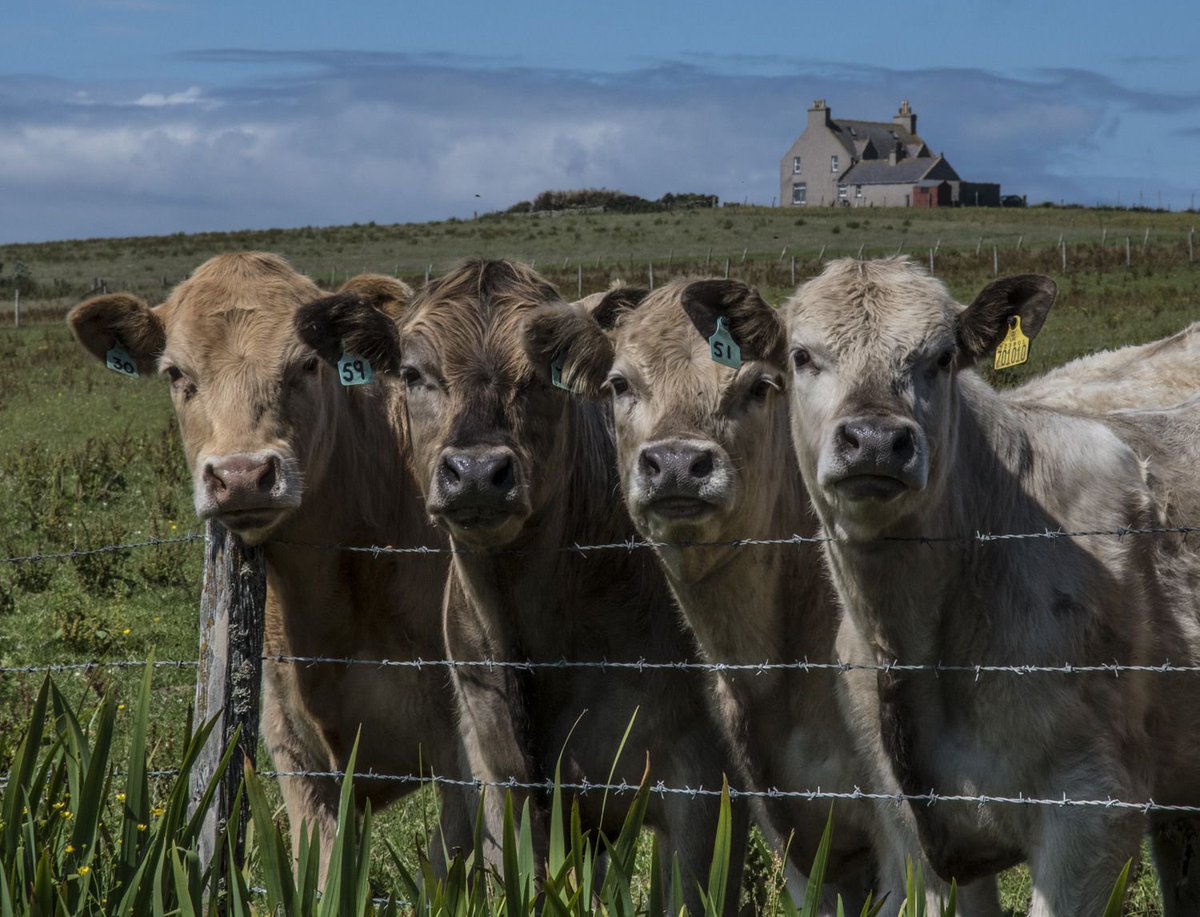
(675, 466)
(484, 473)
(233, 478)
(878, 442)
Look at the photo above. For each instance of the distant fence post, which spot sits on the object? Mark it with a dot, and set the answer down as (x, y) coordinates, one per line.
(229, 676)
(17, 308)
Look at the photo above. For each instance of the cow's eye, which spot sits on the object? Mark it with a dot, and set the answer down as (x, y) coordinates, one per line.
(410, 374)
(801, 358)
(310, 365)
(762, 387)
(945, 360)
(181, 383)
(618, 385)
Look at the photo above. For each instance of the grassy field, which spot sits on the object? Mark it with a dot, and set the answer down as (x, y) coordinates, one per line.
(90, 458)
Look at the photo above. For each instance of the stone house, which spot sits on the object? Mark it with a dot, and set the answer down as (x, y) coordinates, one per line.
(872, 164)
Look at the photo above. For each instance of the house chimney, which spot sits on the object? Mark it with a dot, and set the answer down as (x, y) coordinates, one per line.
(905, 118)
(819, 114)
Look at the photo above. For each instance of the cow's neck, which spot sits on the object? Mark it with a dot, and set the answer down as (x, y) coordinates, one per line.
(366, 497)
(537, 590)
(756, 603)
(915, 601)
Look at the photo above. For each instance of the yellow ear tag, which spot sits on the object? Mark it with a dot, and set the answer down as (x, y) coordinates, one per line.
(1014, 349)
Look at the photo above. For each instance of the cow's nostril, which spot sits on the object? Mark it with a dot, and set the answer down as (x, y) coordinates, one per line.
(502, 474)
(212, 478)
(847, 437)
(703, 466)
(451, 470)
(903, 442)
(650, 464)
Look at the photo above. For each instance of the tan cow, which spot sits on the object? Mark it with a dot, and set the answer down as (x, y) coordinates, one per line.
(705, 456)
(518, 472)
(898, 439)
(281, 453)
(1139, 376)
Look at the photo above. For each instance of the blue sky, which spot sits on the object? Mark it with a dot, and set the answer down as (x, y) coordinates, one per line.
(152, 116)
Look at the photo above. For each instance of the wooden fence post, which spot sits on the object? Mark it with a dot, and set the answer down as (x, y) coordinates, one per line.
(1192, 244)
(579, 279)
(17, 308)
(229, 676)
(651, 275)
(793, 270)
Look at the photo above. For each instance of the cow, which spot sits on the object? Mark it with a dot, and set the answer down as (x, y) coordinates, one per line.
(283, 455)
(1160, 373)
(705, 459)
(517, 471)
(900, 442)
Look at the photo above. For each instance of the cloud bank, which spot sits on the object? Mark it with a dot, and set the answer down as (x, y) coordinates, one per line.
(332, 137)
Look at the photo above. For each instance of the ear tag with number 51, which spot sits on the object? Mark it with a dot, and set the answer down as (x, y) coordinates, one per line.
(724, 348)
(354, 370)
(557, 365)
(119, 361)
(1014, 349)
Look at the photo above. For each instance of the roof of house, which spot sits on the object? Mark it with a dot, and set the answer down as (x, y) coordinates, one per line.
(883, 135)
(904, 172)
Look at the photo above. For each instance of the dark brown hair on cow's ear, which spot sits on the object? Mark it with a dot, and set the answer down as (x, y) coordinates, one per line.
(350, 323)
(617, 302)
(569, 333)
(984, 323)
(755, 326)
(119, 320)
(386, 293)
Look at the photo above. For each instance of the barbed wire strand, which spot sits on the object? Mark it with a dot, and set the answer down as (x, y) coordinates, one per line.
(631, 544)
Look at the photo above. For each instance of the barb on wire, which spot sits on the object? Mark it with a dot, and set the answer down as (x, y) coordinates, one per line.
(104, 549)
(811, 795)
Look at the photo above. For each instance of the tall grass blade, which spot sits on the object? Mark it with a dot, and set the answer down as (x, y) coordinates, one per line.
(718, 871)
(814, 888)
(1116, 901)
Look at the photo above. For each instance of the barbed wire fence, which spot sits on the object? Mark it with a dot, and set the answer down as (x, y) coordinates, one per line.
(231, 655)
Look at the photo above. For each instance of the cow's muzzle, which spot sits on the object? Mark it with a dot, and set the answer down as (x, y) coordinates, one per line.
(682, 480)
(476, 488)
(875, 458)
(247, 492)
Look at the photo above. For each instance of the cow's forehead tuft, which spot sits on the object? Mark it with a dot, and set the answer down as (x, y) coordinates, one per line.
(886, 307)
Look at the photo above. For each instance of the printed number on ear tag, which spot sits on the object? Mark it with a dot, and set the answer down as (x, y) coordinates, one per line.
(354, 370)
(557, 365)
(1014, 349)
(121, 362)
(723, 347)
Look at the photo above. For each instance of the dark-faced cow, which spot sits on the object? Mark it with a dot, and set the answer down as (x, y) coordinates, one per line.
(517, 472)
(282, 454)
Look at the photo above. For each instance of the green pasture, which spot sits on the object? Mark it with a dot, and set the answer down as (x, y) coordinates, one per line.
(91, 458)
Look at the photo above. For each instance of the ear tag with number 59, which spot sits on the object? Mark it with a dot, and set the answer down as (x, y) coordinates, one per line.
(557, 365)
(1014, 349)
(354, 370)
(724, 348)
(119, 361)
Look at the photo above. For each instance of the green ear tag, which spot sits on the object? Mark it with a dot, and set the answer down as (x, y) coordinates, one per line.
(557, 365)
(724, 348)
(121, 362)
(354, 370)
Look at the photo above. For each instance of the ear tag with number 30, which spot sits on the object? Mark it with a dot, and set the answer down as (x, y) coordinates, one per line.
(1014, 349)
(354, 370)
(724, 348)
(119, 361)
(557, 365)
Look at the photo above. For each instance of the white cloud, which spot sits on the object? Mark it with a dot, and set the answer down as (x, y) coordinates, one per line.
(388, 138)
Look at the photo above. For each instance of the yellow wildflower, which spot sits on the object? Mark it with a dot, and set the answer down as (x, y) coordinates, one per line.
(84, 870)
(120, 797)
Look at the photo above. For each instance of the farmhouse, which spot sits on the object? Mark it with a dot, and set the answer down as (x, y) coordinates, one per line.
(872, 164)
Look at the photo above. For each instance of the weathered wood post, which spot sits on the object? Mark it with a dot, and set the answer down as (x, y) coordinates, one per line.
(793, 270)
(579, 279)
(229, 675)
(17, 308)
(650, 274)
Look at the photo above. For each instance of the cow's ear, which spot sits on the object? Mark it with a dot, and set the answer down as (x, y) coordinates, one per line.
(755, 326)
(568, 337)
(984, 323)
(119, 320)
(384, 292)
(350, 323)
(615, 303)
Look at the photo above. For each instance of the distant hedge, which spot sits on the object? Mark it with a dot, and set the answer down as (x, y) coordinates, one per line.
(610, 202)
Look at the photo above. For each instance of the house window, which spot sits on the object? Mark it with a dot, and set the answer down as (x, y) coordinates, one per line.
(799, 191)
(795, 165)
(858, 191)
(841, 192)
(833, 163)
